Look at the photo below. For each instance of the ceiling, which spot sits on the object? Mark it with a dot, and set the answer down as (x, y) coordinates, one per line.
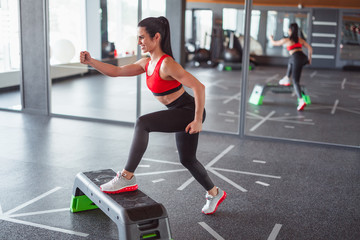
(292, 3)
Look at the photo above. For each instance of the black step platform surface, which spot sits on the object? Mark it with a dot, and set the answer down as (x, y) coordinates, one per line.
(138, 205)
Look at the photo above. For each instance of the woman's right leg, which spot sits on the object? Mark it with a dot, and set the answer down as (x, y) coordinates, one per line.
(296, 74)
(299, 60)
(174, 120)
(289, 69)
(187, 146)
(286, 79)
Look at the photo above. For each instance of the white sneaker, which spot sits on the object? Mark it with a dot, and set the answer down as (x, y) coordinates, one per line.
(212, 203)
(302, 105)
(119, 184)
(285, 81)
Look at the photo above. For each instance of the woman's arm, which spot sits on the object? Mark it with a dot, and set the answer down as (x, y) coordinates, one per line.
(309, 48)
(278, 42)
(111, 70)
(176, 71)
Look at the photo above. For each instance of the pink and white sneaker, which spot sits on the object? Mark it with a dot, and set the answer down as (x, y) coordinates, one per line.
(119, 184)
(212, 202)
(285, 81)
(302, 105)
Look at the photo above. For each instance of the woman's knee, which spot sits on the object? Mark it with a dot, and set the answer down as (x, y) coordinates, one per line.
(142, 123)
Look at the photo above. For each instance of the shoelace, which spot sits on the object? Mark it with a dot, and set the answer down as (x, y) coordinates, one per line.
(115, 179)
(209, 197)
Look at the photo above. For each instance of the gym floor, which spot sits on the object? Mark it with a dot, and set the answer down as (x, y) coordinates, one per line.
(276, 190)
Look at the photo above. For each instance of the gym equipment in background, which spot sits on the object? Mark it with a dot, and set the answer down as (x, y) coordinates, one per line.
(232, 54)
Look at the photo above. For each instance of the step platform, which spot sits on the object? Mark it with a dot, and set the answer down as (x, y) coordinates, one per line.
(260, 90)
(229, 66)
(136, 215)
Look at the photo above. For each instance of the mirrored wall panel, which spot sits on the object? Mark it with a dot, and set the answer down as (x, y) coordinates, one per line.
(213, 39)
(10, 76)
(97, 27)
(350, 37)
(332, 113)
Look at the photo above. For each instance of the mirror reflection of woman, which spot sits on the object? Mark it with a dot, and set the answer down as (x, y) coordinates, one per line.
(296, 62)
(184, 115)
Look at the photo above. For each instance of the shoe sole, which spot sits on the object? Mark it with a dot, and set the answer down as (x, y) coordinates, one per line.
(125, 189)
(286, 84)
(217, 205)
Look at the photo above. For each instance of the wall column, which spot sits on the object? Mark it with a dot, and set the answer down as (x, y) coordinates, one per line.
(34, 57)
(175, 13)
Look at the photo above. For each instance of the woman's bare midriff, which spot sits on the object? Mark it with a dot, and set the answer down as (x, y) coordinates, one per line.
(291, 52)
(167, 99)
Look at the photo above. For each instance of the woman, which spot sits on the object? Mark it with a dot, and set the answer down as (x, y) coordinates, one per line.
(297, 60)
(184, 115)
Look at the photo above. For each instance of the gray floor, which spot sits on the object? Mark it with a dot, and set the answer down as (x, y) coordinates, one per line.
(276, 190)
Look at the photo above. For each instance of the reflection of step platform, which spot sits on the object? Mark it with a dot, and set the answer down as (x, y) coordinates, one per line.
(259, 91)
(229, 66)
(136, 215)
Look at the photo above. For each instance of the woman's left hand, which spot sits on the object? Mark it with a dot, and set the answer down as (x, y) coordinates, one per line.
(194, 127)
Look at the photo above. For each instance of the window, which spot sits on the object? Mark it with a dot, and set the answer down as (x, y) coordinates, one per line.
(9, 55)
(278, 25)
(67, 30)
(203, 21)
(234, 19)
(122, 26)
(77, 90)
(230, 19)
(153, 8)
(9, 40)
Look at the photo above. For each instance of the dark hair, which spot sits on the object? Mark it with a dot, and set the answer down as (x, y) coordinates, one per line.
(294, 32)
(160, 25)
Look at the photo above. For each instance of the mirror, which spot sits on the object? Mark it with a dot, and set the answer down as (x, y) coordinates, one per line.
(332, 115)
(78, 90)
(110, 37)
(214, 56)
(350, 37)
(10, 74)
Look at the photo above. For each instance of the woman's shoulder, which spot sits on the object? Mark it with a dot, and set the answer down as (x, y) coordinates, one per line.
(143, 61)
(301, 40)
(287, 41)
(169, 66)
(167, 59)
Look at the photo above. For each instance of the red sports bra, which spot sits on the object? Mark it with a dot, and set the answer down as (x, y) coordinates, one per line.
(295, 45)
(157, 85)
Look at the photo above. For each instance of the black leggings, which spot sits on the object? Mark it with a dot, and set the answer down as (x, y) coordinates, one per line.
(296, 62)
(179, 114)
